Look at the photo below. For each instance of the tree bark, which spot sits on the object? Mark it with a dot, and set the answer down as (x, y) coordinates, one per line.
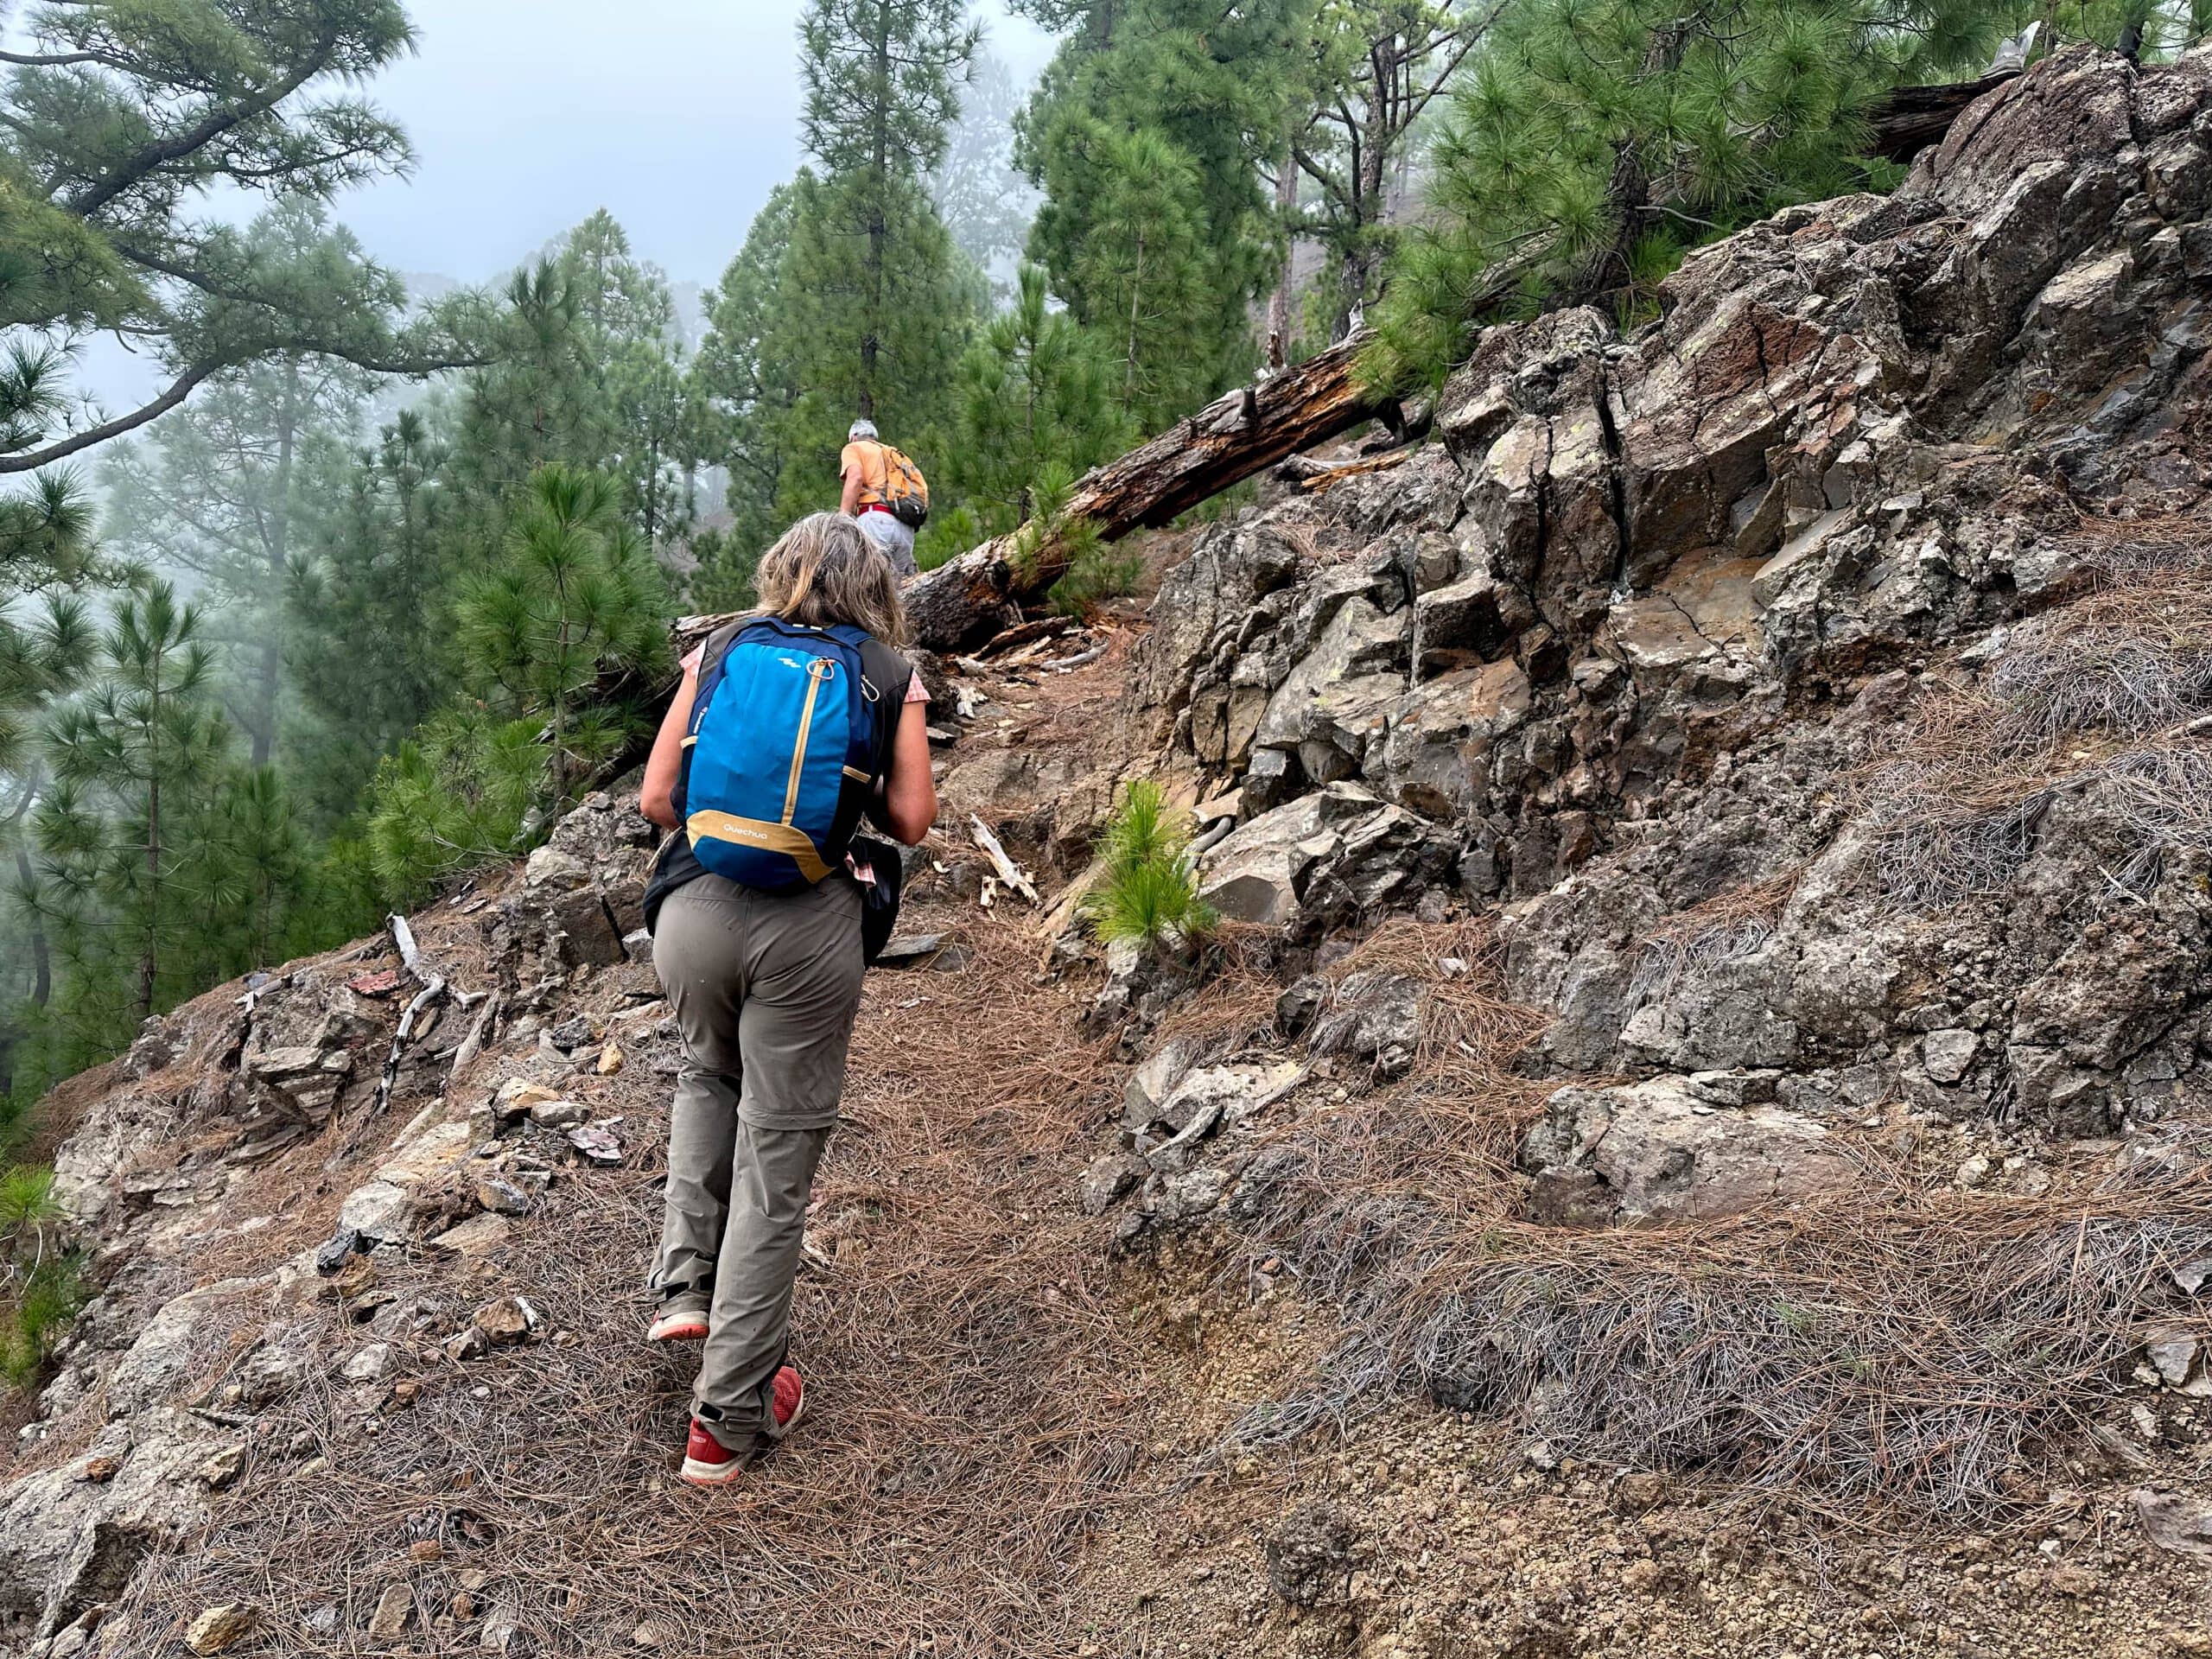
(270, 668)
(1911, 119)
(27, 879)
(877, 227)
(1279, 302)
(150, 961)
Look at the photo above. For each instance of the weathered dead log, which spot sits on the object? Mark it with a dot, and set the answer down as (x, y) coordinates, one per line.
(1318, 479)
(962, 603)
(1910, 119)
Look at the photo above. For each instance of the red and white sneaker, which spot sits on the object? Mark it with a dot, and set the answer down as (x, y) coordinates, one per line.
(681, 1319)
(708, 1462)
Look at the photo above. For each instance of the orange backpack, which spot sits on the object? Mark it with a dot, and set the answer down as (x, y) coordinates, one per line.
(905, 492)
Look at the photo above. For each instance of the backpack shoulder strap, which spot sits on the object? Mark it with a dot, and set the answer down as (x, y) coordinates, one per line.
(718, 643)
(890, 674)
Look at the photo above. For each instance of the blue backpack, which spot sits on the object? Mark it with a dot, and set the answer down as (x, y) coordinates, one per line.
(790, 738)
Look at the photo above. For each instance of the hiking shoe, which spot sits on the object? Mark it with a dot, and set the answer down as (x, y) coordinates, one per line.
(708, 1462)
(681, 1319)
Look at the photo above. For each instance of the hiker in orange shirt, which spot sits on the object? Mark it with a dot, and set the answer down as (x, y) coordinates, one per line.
(886, 492)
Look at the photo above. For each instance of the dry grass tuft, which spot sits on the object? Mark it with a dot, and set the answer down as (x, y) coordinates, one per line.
(1693, 943)
(1888, 1352)
(976, 1404)
(2110, 689)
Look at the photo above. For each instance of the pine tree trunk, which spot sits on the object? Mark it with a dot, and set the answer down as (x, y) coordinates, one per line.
(26, 878)
(267, 682)
(150, 958)
(1279, 302)
(878, 225)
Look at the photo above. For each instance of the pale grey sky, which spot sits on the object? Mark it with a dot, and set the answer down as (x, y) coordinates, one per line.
(678, 115)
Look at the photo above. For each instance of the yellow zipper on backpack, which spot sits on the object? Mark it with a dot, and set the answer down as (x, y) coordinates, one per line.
(817, 672)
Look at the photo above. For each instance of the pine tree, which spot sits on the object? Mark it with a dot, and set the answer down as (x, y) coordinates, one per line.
(742, 379)
(1036, 395)
(215, 491)
(882, 86)
(1211, 83)
(540, 401)
(255, 868)
(47, 554)
(1591, 141)
(120, 123)
(130, 759)
(122, 120)
(1378, 64)
(819, 341)
(981, 196)
(379, 558)
(460, 792)
(628, 318)
(1141, 280)
(576, 593)
(45, 656)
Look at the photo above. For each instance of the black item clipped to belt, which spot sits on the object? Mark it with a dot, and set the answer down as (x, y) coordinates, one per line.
(675, 866)
(880, 895)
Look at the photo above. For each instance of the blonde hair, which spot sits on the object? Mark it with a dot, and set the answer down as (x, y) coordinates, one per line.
(823, 570)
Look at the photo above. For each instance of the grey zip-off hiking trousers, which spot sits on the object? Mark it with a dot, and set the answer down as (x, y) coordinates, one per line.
(764, 989)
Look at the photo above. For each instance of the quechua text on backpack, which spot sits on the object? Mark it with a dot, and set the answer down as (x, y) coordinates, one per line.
(790, 737)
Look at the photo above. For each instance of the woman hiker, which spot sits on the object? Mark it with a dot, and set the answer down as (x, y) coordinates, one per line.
(762, 965)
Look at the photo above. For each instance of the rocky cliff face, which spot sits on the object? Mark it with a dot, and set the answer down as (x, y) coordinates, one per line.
(1813, 677)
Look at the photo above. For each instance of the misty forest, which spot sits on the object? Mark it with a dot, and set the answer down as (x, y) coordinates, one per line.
(328, 620)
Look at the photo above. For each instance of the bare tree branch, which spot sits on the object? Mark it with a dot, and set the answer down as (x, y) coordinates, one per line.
(30, 460)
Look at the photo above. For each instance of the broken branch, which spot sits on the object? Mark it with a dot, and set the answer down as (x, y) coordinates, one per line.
(434, 987)
(1010, 873)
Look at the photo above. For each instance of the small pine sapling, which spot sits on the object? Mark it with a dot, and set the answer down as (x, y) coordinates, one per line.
(1148, 893)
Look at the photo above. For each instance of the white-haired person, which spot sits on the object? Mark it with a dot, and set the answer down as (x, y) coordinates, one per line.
(886, 492)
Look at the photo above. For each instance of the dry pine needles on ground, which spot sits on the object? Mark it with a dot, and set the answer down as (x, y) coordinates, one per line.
(2109, 689)
(977, 1404)
(1894, 1348)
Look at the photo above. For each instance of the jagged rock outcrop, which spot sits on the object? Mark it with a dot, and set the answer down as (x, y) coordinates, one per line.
(1653, 650)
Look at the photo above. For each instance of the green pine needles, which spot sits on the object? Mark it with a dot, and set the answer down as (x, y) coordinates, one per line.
(1591, 142)
(1037, 396)
(1149, 892)
(40, 1291)
(28, 1206)
(574, 596)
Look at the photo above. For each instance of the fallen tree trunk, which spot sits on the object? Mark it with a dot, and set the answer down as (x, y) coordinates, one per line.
(1912, 117)
(963, 602)
(1243, 433)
